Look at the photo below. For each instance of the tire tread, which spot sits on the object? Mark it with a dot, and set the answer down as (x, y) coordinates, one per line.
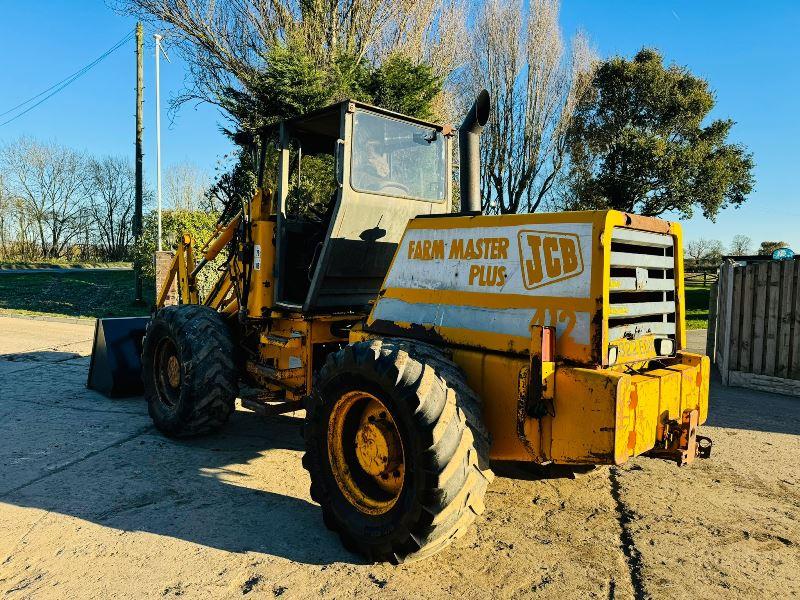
(457, 469)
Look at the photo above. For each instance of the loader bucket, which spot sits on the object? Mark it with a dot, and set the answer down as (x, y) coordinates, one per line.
(116, 366)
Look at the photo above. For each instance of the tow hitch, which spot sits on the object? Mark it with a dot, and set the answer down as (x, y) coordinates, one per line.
(680, 442)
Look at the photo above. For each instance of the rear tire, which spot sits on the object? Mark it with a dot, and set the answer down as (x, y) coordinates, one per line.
(445, 449)
(188, 371)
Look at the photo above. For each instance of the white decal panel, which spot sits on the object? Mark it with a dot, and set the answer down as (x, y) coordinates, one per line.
(537, 260)
(509, 321)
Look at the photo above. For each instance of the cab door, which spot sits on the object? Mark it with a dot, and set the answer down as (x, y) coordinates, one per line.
(389, 171)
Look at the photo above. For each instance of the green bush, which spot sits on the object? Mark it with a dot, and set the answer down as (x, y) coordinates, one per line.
(174, 223)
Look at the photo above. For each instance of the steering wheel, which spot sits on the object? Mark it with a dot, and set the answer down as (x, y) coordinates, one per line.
(394, 184)
(318, 212)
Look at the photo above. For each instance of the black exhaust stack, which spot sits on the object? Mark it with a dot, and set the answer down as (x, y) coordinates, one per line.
(469, 135)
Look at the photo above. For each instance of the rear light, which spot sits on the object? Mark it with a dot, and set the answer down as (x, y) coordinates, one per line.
(613, 354)
(548, 344)
(665, 347)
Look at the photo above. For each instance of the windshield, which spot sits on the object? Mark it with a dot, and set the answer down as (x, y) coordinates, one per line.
(396, 158)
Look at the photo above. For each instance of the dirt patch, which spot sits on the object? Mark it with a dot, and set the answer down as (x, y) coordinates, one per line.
(94, 503)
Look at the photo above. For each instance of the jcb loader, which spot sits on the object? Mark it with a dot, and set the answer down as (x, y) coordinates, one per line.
(424, 344)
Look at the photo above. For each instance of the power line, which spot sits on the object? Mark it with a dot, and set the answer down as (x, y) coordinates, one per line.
(70, 78)
(57, 87)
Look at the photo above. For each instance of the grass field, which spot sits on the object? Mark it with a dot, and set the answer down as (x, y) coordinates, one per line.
(58, 264)
(89, 294)
(697, 307)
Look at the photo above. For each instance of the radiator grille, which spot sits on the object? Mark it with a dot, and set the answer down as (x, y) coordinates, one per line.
(642, 285)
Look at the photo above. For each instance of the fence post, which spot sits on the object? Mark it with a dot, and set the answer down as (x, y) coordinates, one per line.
(727, 269)
(711, 332)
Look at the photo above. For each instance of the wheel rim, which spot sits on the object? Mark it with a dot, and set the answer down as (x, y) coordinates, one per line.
(366, 452)
(167, 373)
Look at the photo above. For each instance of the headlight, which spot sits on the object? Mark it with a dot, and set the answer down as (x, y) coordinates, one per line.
(665, 347)
(613, 354)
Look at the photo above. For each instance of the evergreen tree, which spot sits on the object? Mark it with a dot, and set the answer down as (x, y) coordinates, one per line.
(638, 143)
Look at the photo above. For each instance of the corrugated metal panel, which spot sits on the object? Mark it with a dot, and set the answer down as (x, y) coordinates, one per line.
(642, 286)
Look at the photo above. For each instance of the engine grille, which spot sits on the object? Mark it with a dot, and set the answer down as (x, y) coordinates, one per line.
(642, 285)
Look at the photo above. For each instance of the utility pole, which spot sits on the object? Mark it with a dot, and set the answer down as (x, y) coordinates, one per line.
(137, 219)
(158, 136)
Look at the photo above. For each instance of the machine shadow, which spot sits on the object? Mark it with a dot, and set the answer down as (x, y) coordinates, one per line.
(48, 356)
(242, 490)
(200, 490)
(533, 472)
(742, 408)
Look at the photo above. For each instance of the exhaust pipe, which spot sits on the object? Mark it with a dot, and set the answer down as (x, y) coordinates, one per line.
(469, 135)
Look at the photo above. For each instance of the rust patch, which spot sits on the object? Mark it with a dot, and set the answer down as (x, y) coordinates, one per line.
(647, 223)
(522, 411)
(596, 328)
(406, 330)
(679, 441)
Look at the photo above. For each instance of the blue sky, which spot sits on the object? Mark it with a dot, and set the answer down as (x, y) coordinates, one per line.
(748, 51)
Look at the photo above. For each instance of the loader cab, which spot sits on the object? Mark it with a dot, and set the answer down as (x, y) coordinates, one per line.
(372, 171)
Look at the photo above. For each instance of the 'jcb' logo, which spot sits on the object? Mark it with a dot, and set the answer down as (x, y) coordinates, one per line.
(548, 256)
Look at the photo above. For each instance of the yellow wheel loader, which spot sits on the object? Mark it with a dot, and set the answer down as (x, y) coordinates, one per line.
(424, 344)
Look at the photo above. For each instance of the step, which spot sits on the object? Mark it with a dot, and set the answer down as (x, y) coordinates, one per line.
(283, 339)
(277, 408)
(261, 395)
(277, 374)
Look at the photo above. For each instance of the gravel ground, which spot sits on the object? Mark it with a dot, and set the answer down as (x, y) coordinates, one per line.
(95, 504)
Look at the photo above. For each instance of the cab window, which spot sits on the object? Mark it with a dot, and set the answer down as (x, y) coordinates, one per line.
(396, 158)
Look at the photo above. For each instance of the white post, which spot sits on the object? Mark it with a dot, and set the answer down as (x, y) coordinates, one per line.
(158, 138)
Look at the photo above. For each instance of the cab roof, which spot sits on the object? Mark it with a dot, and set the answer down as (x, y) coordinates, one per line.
(318, 130)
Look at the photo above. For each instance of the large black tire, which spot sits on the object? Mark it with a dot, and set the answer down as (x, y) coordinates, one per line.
(446, 448)
(197, 396)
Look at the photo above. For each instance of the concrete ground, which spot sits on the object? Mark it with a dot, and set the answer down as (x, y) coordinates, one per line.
(95, 504)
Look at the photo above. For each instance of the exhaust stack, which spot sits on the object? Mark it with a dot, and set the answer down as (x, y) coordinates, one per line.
(469, 135)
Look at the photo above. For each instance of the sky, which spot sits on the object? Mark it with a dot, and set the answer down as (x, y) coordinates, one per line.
(749, 52)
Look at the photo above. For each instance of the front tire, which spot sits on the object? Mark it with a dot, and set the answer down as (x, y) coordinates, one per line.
(188, 370)
(396, 449)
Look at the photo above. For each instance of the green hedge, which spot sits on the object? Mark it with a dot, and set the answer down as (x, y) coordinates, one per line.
(174, 223)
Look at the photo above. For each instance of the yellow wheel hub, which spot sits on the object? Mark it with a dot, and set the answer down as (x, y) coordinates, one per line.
(376, 448)
(173, 371)
(366, 452)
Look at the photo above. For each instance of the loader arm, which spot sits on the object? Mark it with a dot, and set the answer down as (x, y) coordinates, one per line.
(183, 267)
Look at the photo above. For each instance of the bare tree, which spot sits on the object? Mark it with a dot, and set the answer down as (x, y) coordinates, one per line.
(703, 250)
(6, 218)
(186, 187)
(17, 240)
(518, 55)
(25, 245)
(50, 179)
(111, 188)
(226, 42)
(741, 245)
